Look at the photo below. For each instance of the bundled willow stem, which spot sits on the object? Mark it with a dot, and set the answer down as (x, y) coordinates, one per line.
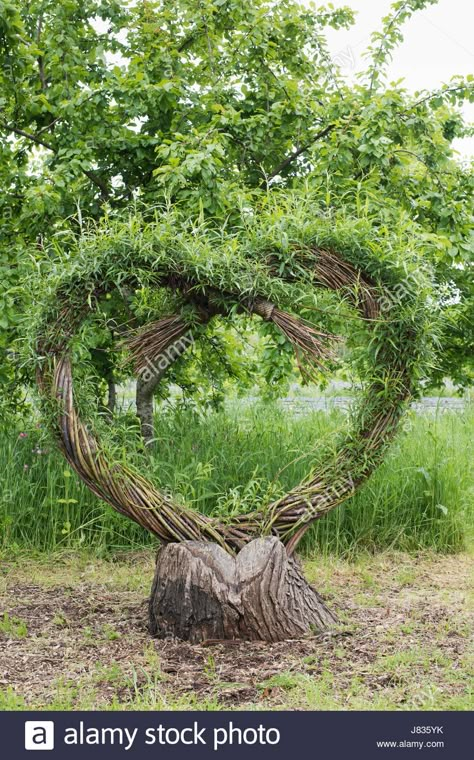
(335, 273)
(148, 344)
(312, 347)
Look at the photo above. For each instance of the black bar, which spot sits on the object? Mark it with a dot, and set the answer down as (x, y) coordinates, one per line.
(263, 735)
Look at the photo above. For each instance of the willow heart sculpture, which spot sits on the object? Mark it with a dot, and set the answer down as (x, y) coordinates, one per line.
(218, 579)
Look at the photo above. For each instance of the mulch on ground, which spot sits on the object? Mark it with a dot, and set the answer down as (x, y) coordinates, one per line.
(405, 632)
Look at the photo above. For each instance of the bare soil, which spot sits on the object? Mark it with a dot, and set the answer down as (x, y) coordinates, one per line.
(73, 635)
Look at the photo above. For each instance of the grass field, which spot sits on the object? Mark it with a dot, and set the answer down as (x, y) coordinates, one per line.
(73, 636)
(235, 460)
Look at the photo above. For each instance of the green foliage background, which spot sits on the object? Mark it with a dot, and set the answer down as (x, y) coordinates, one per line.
(211, 107)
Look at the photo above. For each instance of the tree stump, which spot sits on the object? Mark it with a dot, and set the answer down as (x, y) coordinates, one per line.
(202, 593)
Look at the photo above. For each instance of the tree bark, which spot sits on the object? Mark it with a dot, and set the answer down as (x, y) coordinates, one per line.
(111, 395)
(201, 593)
(144, 402)
(145, 392)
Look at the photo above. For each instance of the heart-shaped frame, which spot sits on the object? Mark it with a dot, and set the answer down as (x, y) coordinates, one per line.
(378, 290)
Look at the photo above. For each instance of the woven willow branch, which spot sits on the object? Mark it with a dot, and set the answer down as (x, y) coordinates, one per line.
(289, 517)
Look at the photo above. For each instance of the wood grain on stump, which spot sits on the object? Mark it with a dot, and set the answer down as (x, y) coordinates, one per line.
(200, 592)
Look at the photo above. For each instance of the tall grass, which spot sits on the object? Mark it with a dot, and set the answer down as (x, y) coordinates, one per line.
(240, 458)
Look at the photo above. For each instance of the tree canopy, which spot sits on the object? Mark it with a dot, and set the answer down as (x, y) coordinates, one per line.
(211, 107)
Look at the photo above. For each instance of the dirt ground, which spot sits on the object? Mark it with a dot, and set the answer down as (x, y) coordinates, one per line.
(73, 635)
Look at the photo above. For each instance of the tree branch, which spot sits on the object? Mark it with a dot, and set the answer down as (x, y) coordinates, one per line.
(432, 95)
(297, 153)
(49, 126)
(29, 136)
(97, 181)
(376, 59)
